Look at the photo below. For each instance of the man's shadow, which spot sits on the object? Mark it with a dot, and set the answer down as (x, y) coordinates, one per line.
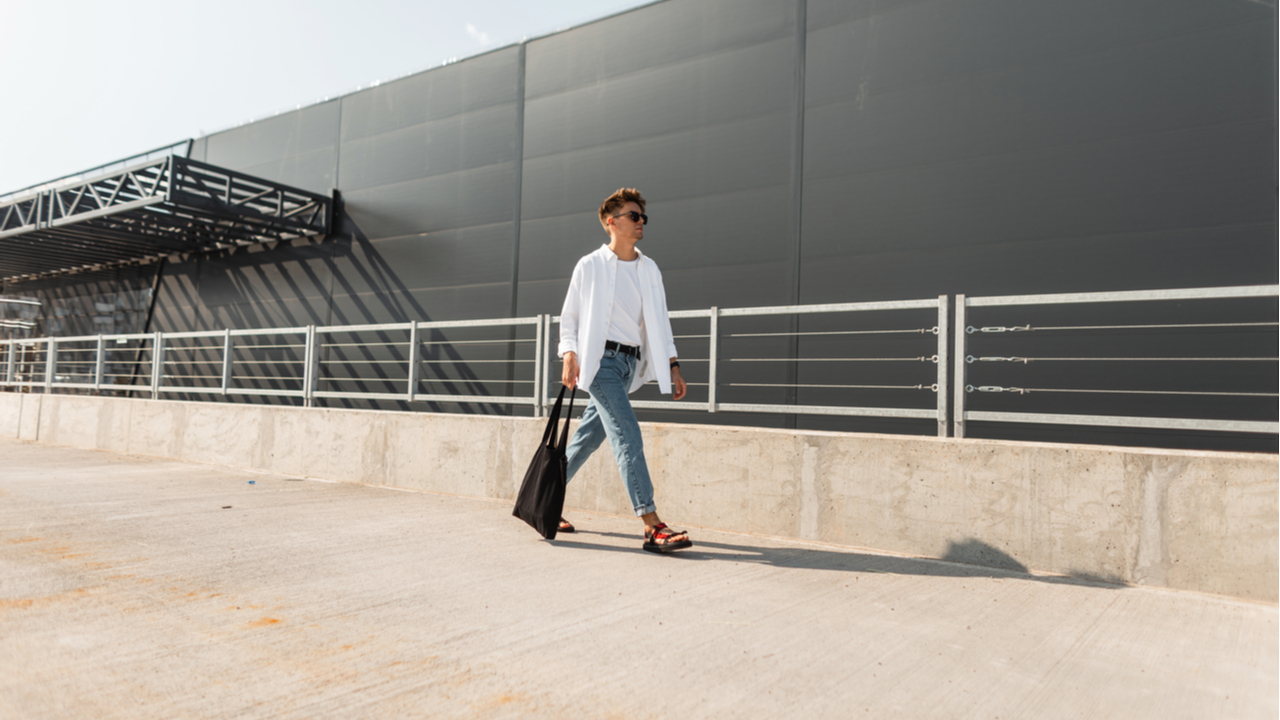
(970, 558)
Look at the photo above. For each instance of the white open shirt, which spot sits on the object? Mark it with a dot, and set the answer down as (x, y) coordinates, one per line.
(584, 319)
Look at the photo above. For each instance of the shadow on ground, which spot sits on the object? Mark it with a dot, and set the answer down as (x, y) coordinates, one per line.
(971, 558)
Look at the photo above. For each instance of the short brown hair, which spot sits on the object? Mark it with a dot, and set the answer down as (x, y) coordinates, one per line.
(614, 202)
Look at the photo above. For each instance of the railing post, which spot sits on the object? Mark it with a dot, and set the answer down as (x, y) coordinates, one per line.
(11, 363)
(50, 363)
(712, 355)
(227, 351)
(157, 364)
(546, 366)
(413, 361)
(959, 375)
(99, 364)
(539, 357)
(311, 360)
(944, 337)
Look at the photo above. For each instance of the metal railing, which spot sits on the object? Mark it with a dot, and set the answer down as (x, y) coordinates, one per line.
(1147, 362)
(837, 360)
(91, 362)
(416, 362)
(716, 334)
(356, 362)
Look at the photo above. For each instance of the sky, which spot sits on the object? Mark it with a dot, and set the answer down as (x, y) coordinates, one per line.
(88, 82)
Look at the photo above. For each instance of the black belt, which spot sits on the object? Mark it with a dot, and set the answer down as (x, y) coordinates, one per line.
(631, 350)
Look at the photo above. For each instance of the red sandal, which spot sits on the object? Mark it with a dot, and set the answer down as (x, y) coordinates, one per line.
(658, 539)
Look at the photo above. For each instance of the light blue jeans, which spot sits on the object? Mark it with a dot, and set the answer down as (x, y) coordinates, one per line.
(609, 414)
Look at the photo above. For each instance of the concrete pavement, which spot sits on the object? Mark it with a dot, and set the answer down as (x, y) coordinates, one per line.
(133, 587)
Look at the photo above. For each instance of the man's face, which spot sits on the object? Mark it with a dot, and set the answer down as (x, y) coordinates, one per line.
(624, 226)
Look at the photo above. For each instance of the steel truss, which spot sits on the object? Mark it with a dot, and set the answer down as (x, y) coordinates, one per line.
(148, 211)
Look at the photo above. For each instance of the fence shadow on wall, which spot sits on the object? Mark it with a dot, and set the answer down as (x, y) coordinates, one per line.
(442, 367)
(342, 280)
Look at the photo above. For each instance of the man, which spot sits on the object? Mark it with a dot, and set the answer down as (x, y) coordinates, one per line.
(615, 336)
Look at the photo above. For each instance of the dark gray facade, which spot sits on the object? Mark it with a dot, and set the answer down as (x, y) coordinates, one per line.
(792, 151)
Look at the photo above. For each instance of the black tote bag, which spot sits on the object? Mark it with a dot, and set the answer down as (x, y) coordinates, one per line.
(540, 501)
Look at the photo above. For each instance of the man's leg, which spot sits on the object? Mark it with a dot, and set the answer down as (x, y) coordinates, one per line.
(586, 438)
(609, 395)
(610, 414)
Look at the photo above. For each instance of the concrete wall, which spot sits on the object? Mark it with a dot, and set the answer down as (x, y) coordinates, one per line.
(1203, 521)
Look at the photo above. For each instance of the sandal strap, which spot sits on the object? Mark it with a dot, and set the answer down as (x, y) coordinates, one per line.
(661, 532)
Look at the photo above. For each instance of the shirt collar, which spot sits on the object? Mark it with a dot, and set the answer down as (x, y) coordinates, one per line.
(608, 254)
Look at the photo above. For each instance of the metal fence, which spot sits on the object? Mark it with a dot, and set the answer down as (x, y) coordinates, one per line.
(730, 372)
(411, 362)
(1137, 348)
(873, 359)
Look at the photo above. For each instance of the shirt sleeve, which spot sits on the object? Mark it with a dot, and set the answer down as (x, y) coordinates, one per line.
(570, 313)
(660, 299)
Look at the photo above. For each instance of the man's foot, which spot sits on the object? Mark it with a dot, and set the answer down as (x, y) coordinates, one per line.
(566, 526)
(662, 539)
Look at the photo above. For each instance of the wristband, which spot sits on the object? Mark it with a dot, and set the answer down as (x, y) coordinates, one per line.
(675, 364)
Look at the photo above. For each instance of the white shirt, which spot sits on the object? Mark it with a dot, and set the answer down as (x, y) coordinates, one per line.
(588, 306)
(626, 322)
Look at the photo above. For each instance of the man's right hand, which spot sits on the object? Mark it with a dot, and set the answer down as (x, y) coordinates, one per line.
(569, 371)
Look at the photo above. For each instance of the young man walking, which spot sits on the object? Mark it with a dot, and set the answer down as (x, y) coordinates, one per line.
(615, 336)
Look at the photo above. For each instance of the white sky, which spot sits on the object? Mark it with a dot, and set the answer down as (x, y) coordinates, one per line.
(92, 81)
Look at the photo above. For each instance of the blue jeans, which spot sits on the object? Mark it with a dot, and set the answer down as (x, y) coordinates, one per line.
(609, 414)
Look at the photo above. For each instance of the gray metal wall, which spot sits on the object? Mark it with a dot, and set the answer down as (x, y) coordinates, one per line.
(792, 151)
(1020, 147)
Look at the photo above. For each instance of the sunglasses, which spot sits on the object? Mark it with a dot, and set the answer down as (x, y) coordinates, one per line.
(635, 216)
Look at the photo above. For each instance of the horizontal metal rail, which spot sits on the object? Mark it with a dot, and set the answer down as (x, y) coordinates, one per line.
(1242, 426)
(830, 308)
(1214, 293)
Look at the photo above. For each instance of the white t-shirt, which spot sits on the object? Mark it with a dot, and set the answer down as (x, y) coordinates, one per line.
(628, 309)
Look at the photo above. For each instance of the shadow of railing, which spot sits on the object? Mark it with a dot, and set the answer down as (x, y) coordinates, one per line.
(970, 558)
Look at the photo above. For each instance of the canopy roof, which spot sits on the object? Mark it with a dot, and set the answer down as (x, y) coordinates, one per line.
(147, 211)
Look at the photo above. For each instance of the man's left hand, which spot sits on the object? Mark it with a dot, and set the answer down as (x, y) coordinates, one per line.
(678, 386)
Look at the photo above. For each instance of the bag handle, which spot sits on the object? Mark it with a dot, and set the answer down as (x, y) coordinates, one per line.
(564, 436)
(553, 418)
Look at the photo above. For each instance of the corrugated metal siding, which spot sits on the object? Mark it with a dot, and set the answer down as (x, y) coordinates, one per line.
(961, 146)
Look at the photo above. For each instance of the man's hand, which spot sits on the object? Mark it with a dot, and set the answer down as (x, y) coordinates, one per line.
(678, 386)
(569, 370)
